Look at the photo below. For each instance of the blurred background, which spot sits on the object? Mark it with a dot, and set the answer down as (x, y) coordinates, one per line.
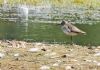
(36, 20)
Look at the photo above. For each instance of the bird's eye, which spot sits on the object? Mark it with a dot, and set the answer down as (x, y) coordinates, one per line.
(68, 27)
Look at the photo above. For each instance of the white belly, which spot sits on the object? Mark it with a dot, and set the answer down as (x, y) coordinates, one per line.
(68, 32)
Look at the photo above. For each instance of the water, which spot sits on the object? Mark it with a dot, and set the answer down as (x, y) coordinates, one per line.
(48, 32)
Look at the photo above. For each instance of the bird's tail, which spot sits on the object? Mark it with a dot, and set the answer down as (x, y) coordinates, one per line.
(82, 32)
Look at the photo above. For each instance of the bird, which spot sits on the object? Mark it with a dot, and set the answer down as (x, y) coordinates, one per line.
(71, 30)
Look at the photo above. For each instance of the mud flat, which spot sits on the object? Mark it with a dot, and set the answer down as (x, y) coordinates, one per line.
(20, 55)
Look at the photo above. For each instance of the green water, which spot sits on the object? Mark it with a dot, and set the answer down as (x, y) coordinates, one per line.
(48, 32)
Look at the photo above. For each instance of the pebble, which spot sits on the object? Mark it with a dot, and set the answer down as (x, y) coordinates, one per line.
(68, 55)
(56, 64)
(98, 47)
(95, 61)
(96, 50)
(43, 49)
(70, 50)
(63, 56)
(34, 50)
(2, 55)
(90, 47)
(87, 60)
(16, 54)
(38, 44)
(97, 54)
(98, 64)
(45, 67)
(68, 68)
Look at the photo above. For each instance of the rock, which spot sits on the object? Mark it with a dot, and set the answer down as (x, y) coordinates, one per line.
(34, 50)
(96, 50)
(90, 47)
(2, 55)
(69, 55)
(98, 47)
(38, 44)
(43, 49)
(98, 64)
(16, 59)
(68, 68)
(95, 61)
(55, 64)
(45, 67)
(16, 55)
(70, 50)
(63, 56)
(97, 54)
(87, 60)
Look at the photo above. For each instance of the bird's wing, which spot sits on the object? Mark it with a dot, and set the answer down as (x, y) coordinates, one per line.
(65, 29)
(75, 29)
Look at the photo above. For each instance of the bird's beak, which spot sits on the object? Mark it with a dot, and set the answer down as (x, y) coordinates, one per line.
(58, 24)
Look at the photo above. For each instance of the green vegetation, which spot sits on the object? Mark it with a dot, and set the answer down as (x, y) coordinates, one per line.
(57, 3)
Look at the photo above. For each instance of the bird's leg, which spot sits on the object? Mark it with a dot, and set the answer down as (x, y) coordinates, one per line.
(71, 40)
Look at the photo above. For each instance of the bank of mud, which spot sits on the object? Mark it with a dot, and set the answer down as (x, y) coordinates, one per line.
(21, 55)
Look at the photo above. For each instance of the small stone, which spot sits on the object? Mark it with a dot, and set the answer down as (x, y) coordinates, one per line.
(98, 47)
(43, 49)
(33, 50)
(96, 50)
(95, 61)
(70, 50)
(38, 44)
(63, 56)
(69, 55)
(97, 54)
(55, 64)
(87, 60)
(68, 68)
(90, 48)
(98, 64)
(16, 55)
(2, 55)
(16, 59)
(45, 67)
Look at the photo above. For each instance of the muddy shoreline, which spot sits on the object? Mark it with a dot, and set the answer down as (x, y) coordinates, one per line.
(21, 55)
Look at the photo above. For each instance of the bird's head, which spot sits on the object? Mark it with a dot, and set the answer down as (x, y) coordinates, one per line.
(63, 22)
